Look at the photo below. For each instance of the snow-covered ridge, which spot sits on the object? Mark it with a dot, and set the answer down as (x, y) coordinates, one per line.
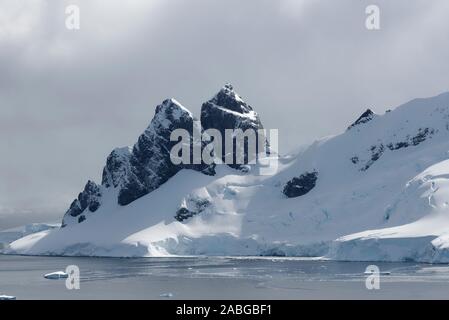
(378, 191)
(9, 235)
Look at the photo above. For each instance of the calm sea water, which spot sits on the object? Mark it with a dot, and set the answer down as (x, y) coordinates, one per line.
(219, 278)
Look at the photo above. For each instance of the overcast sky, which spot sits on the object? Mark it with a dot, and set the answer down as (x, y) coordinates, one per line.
(308, 67)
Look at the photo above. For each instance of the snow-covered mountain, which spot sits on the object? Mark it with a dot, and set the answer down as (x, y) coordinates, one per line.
(377, 191)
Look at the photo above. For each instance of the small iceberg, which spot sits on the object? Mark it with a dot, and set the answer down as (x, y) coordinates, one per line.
(56, 275)
(382, 273)
(5, 297)
(166, 295)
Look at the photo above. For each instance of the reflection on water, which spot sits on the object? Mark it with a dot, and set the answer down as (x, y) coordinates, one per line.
(219, 278)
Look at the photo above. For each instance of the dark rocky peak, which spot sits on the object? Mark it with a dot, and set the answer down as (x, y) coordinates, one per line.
(138, 170)
(227, 110)
(149, 164)
(228, 99)
(117, 165)
(168, 116)
(89, 198)
(366, 116)
(227, 105)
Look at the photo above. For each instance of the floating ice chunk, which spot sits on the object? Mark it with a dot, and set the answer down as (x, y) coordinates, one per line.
(5, 297)
(382, 273)
(166, 295)
(56, 275)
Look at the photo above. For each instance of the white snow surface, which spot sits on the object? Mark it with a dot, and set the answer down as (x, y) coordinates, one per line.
(9, 235)
(396, 209)
(56, 275)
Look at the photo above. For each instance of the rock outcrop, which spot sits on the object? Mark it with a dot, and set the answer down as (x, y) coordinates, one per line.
(227, 110)
(133, 172)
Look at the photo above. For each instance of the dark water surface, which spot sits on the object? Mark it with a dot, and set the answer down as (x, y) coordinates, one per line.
(219, 278)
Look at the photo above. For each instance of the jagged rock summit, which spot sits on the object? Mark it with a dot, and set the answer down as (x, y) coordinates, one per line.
(365, 117)
(141, 169)
(227, 110)
(132, 172)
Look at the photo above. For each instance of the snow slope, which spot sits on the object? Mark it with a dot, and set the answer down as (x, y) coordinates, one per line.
(425, 239)
(381, 193)
(10, 235)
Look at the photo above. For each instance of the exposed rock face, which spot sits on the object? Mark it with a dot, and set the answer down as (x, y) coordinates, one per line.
(378, 150)
(227, 110)
(138, 170)
(89, 199)
(367, 116)
(117, 167)
(141, 170)
(301, 185)
(419, 137)
(191, 207)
